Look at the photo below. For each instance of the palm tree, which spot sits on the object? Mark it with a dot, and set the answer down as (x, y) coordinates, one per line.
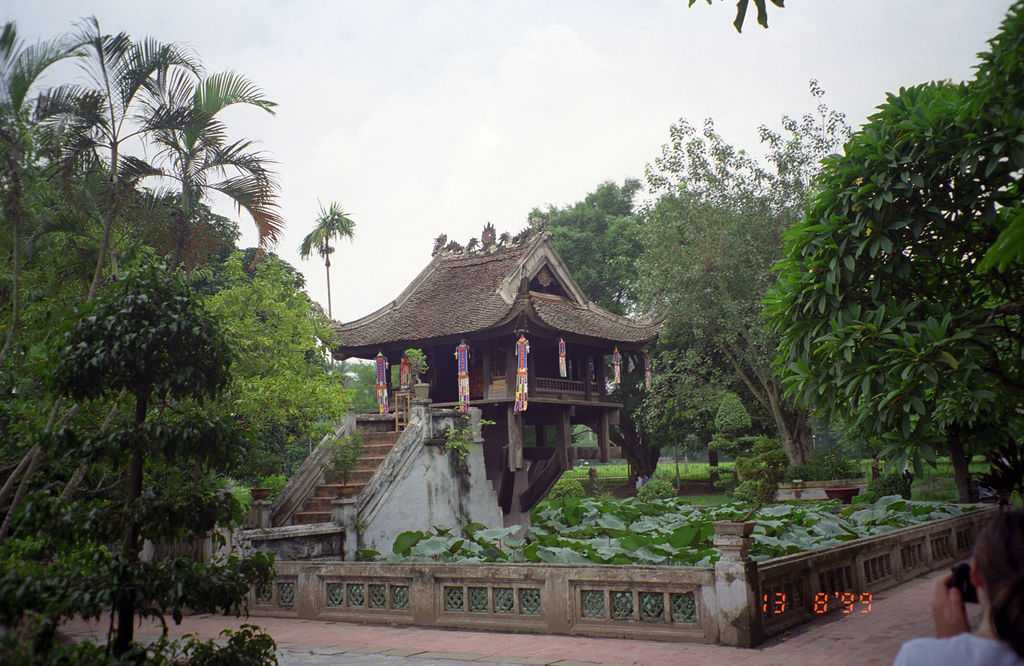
(127, 103)
(20, 69)
(200, 158)
(332, 223)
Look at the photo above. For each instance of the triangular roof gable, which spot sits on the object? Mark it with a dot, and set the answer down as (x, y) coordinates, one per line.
(539, 255)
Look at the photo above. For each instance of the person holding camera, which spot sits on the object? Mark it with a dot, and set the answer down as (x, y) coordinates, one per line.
(994, 578)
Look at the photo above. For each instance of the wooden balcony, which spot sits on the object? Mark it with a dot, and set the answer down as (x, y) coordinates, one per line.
(568, 387)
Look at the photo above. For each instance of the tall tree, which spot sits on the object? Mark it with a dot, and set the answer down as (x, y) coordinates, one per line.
(198, 156)
(710, 240)
(125, 104)
(20, 69)
(886, 319)
(332, 224)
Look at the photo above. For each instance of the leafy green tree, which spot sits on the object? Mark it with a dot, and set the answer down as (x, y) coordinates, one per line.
(197, 154)
(283, 392)
(732, 416)
(148, 337)
(597, 239)
(710, 240)
(885, 316)
(332, 224)
(20, 69)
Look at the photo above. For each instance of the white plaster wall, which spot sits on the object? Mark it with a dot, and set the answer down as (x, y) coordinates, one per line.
(430, 495)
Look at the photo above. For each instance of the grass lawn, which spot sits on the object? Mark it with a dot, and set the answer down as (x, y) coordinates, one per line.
(936, 484)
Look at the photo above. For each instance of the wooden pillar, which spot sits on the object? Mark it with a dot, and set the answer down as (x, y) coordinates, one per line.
(602, 435)
(564, 436)
(588, 370)
(531, 373)
(515, 440)
(485, 349)
(387, 383)
(510, 371)
(602, 380)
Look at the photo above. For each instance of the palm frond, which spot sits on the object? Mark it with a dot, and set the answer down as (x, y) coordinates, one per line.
(21, 66)
(144, 65)
(219, 91)
(258, 196)
(133, 169)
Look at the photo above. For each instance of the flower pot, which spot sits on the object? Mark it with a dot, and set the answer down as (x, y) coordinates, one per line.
(346, 491)
(843, 494)
(421, 390)
(260, 493)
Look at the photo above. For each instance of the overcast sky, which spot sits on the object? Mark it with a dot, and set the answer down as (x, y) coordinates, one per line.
(424, 118)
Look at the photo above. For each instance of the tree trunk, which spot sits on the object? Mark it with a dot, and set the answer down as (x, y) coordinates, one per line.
(327, 265)
(108, 220)
(961, 464)
(643, 458)
(130, 550)
(36, 456)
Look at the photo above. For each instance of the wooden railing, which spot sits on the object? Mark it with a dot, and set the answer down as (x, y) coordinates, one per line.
(556, 385)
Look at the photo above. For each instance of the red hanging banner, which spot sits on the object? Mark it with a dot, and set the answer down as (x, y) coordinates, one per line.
(616, 366)
(382, 383)
(562, 370)
(405, 373)
(522, 387)
(462, 361)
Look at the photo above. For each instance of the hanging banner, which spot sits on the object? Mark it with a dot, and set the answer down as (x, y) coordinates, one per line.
(562, 371)
(522, 388)
(616, 366)
(405, 373)
(648, 371)
(382, 383)
(462, 361)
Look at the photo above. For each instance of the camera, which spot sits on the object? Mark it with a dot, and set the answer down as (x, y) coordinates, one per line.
(962, 581)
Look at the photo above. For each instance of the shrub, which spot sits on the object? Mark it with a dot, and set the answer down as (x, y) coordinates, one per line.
(655, 489)
(891, 484)
(761, 471)
(275, 482)
(756, 491)
(825, 466)
(732, 416)
(564, 488)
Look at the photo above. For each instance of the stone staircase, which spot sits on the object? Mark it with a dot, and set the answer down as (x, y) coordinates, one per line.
(317, 509)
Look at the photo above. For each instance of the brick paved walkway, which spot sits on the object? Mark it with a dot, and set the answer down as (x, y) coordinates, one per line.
(897, 615)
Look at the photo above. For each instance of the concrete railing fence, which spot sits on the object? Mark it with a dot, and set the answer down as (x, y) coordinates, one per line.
(734, 603)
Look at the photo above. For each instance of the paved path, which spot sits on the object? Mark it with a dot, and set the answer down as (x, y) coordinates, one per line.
(897, 615)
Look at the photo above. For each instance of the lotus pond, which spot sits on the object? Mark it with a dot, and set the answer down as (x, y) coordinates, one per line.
(664, 532)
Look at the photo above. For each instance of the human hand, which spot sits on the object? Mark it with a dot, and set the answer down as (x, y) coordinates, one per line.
(948, 610)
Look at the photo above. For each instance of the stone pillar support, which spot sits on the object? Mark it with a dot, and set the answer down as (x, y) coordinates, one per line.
(344, 513)
(739, 619)
(260, 514)
(602, 435)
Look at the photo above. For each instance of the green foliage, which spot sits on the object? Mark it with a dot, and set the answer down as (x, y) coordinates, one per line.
(345, 455)
(885, 319)
(417, 361)
(275, 483)
(826, 465)
(564, 488)
(761, 471)
(655, 489)
(731, 416)
(661, 531)
(147, 335)
(709, 242)
(891, 484)
(283, 393)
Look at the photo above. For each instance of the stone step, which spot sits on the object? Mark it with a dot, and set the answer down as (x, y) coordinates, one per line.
(376, 450)
(307, 517)
(332, 489)
(379, 437)
(320, 504)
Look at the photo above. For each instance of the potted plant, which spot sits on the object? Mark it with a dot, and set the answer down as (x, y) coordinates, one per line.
(345, 457)
(418, 367)
(269, 487)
